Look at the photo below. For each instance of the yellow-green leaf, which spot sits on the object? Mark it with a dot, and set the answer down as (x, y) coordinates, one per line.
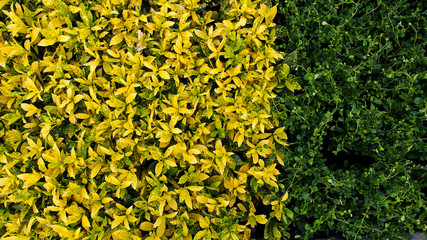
(261, 219)
(63, 231)
(29, 108)
(117, 221)
(163, 74)
(170, 110)
(202, 199)
(201, 34)
(285, 197)
(116, 39)
(160, 226)
(82, 116)
(47, 42)
(176, 131)
(185, 195)
(159, 168)
(30, 179)
(116, 103)
(195, 188)
(63, 38)
(146, 226)
(95, 170)
(85, 223)
(292, 85)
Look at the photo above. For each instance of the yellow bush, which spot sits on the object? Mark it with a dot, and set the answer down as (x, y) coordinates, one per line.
(124, 120)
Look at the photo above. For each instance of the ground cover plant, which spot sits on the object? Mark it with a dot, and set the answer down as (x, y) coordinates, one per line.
(139, 120)
(357, 161)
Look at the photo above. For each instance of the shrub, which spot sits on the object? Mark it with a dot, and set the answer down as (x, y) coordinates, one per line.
(136, 120)
(356, 164)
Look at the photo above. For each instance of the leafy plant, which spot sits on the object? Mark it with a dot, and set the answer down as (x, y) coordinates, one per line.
(356, 164)
(125, 120)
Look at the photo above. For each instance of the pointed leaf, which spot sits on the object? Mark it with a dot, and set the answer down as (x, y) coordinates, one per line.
(116, 39)
(47, 42)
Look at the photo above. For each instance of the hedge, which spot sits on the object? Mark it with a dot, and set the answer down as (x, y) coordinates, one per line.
(135, 120)
(357, 161)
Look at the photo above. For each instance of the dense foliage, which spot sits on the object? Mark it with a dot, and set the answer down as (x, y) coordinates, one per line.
(357, 165)
(129, 120)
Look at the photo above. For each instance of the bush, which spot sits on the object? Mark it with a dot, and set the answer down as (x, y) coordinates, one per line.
(125, 122)
(358, 127)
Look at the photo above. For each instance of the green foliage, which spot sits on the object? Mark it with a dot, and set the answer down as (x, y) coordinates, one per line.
(123, 120)
(362, 66)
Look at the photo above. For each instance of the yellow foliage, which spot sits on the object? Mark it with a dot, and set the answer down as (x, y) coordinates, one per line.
(125, 121)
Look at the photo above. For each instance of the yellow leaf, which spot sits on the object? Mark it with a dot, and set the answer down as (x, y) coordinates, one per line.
(30, 109)
(125, 184)
(159, 168)
(82, 116)
(95, 209)
(194, 151)
(195, 188)
(3, 2)
(146, 226)
(176, 131)
(107, 200)
(228, 24)
(279, 132)
(168, 24)
(170, 110)
(263, 135)
(149, 65)
(117, 220)
(261, 29)
(172, 203)
(201, 34)
(171, 215)
(185, 111)
(112, 180)
(63, 231)
(160, 224)
(95, 170)
(200, 235)
(178, 45)
(230, 109)
(285, 197)
(261, 219)
(202, 199)
(3, 181)
(131, 97)
(85, 223)
(47, 42)
(240, 139)
(121, 234)
(292, 85)
(106, 150)
(63, 38)
(204, 223)
(29, 179)
(185, 195)
(241, 23)
(163, 74)
(116, 39)
(241, 207)
(116, 103)
(74, 9)
(273, 12)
